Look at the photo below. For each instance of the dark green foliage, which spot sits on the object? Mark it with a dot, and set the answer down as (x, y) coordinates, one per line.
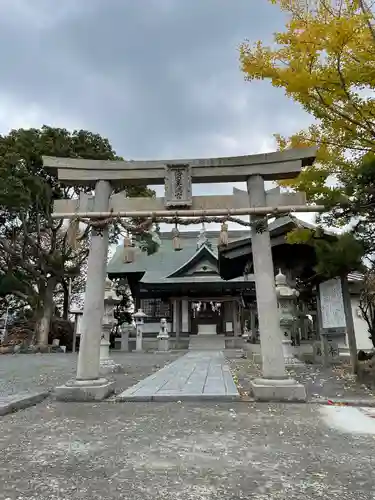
(357, 205)
(33, 246)
(148, 242)
(338, 257)
(122, 312)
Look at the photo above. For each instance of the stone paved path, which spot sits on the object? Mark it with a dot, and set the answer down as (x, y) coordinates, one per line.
(195, 376)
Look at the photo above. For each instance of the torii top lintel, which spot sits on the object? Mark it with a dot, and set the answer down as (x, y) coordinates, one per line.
(271, 166)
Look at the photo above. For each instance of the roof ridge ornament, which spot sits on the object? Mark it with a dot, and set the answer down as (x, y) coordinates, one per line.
(202, 237)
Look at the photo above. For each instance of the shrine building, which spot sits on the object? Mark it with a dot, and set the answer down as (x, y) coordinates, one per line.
(184, 286)
(191, 286)
(203, 289)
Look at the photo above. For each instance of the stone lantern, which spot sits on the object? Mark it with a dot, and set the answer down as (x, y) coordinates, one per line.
(139, 317)
(286, 297)
(111, 299)
(163, 336)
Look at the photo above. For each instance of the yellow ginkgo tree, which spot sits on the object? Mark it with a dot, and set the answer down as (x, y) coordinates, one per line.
(325, 61)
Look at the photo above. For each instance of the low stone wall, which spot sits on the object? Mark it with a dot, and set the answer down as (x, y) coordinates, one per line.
(152, 344)
(21, 349)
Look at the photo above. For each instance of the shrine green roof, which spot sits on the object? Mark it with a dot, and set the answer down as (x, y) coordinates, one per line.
(159, 267)
(166, 260)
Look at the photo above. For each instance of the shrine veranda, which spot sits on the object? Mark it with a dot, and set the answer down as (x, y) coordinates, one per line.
(178, 177)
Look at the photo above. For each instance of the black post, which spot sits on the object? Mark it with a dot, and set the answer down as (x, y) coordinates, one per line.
(349, 324)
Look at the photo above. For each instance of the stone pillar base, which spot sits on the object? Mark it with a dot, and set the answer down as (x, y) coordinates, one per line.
(109, 366)
(278, 390)
(163, 344)
(257, 358)
(85, 390)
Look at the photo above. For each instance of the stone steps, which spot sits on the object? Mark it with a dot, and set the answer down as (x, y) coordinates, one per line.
(207, 343)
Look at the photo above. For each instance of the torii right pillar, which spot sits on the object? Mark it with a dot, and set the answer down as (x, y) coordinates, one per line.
(275, 384)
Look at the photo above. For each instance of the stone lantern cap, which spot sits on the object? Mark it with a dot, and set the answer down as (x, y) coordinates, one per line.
(280, 279)
(283, 290)
(76, 310)
(110, 295)
(139, 314)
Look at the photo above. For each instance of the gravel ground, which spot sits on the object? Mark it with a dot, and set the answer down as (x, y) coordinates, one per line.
(322, 383)
(165, 451)
(29, 372)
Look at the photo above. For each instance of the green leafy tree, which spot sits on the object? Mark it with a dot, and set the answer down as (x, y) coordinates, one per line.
(35, 254)
(324, 61)
(356, 204)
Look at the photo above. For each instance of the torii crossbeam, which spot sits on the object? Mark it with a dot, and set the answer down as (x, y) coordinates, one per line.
(212, 205)
(271, 166)
(178, 177)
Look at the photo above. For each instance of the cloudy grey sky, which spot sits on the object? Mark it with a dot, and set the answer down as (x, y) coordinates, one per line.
(159, 78)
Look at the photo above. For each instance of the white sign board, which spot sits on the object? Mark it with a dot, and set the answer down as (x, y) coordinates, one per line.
(332, 304)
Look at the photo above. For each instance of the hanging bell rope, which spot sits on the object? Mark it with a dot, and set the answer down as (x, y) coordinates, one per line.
(223, 235)
(176, 240)
(129, 251)
(72, 233)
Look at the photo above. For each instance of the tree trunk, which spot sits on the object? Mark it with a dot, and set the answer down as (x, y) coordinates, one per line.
(371, 324)
(43, 325)
(372, 337)
(66, 300)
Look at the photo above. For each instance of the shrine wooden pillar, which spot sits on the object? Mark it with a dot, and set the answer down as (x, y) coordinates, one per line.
(185, 317)
(177, 317)
(236, 329)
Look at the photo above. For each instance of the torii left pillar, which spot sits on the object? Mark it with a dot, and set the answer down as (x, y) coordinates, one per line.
(88, 385)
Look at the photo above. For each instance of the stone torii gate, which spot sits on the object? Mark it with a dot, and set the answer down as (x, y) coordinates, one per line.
(178, 176)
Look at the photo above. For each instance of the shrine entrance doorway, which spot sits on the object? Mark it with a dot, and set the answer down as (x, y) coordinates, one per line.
(206, 318)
